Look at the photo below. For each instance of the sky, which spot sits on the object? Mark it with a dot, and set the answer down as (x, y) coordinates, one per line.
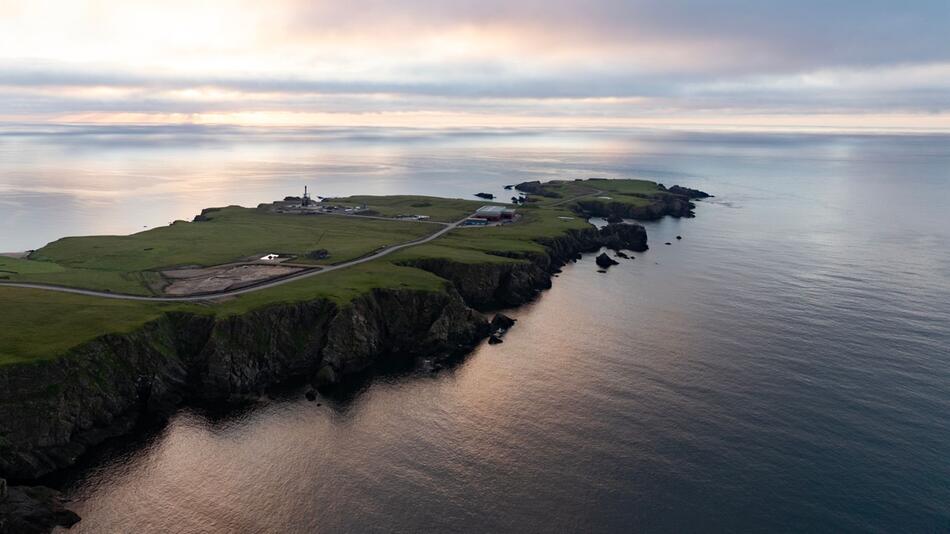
(861, 64)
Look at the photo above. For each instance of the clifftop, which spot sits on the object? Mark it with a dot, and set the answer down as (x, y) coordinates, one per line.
(77, 369)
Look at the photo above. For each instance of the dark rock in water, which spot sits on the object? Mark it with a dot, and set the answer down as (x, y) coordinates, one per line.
(501, 322)
(614, 219)
(604, 261)
(679, 237)
(622, 255)
(311, 395)
(494, 340)
(624, 236)
(687, 192)
(486, 196)
(33, 509)
(667, 243)
(601, 271)
(509, 187)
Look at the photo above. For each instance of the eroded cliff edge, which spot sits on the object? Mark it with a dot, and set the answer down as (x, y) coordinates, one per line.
(52, 411)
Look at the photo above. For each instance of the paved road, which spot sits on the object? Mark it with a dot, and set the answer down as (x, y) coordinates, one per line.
(230, 293)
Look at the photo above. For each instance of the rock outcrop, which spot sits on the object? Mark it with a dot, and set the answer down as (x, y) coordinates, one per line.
(491, 286)
(29, 510)
(536, 188)
(501, 323)
(604, 261)
(658, 206)
(624, 236)
(51, 411)
(687, 192)
(399, 324)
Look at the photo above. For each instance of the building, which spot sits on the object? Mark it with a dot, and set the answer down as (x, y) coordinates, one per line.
(495, 213)
(475, 222)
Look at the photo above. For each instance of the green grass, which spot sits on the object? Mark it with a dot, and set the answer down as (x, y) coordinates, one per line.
(232, 234)
(642, 187)
(36, 324)
(40, 324)
(439, 209)
(13, 266)
(128, 264)
(339, 286)
(46, 272)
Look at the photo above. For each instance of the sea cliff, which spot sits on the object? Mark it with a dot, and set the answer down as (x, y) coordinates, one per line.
(52, 411)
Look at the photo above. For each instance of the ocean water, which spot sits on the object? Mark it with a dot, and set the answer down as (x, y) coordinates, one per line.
(785, 367)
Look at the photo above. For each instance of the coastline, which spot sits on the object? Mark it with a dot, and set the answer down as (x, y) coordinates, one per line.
(53, 411)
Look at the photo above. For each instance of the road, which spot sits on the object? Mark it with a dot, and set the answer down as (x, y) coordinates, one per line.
(257, 287)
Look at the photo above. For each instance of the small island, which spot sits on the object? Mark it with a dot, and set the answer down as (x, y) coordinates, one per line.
(101, 330)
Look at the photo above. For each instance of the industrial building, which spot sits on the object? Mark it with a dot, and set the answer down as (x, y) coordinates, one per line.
(495, 213)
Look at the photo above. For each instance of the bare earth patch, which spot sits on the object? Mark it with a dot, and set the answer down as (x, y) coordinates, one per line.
(210, 279)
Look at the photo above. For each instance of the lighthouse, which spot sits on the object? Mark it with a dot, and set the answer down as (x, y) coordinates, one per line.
(305, 201)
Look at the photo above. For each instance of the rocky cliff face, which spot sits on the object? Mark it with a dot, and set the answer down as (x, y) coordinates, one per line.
(28, 510)
(488, 286)
(51, 411)
(398, 324)
(659, 206)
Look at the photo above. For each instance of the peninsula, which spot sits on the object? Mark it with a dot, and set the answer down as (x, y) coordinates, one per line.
(99, 331)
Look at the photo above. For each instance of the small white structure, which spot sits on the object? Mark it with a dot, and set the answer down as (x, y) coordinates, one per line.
(270, 257)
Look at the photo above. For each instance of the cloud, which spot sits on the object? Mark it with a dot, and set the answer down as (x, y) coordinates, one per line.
(598, 58)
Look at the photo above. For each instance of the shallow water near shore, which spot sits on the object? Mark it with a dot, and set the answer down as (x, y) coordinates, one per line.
(783, 367)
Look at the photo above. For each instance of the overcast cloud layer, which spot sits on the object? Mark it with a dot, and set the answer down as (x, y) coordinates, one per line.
(437, 63)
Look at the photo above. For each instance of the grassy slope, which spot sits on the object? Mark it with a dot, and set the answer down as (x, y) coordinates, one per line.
(43, 324)
(439, 209)
(126, 264)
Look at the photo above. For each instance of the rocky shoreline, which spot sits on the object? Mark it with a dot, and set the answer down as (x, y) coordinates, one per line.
(53, 411)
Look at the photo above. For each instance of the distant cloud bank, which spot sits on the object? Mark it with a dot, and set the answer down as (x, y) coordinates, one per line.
(873, 64)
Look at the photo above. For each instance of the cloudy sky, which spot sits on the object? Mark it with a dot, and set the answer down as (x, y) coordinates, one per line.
(853, 64)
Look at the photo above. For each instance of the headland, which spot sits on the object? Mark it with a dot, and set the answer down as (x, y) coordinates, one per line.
(100, 331)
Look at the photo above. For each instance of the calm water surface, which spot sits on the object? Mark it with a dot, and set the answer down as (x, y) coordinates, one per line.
(784, 367)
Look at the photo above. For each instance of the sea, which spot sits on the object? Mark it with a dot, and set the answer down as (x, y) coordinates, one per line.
(783, 367)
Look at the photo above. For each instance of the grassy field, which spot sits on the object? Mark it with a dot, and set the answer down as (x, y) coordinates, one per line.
(439, 209)
(620, 190)
(43, 324)
(129, 264)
